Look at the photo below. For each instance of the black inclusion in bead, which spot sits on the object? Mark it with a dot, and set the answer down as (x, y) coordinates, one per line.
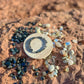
(21, 32)
(22, 73)
(12, 39)
(47, 71)
(10, 59)
(14, 61)
(3, 64)
(7, 63)
(36, 74)
(19, 59)
(11, 50)
(24, 35)
(27, 63)
(31, 28)
(20, 39)
(14, 77)
(33, 23)
(25, 32)
(15, 37)
(19, 65)
(11, 75)
(25, 69)
(13, 65)
(23, 64)
(18, 68)
(42, 78)
(19, 77)
(36, 69)
(23, 39)
(16, 50)
(20, 28)
(26, 28)
(16, 40)
(13, 53)
(24, 59)
(19, 72)
(13, 44)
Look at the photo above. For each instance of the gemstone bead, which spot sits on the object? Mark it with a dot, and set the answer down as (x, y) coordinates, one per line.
(25, 69)
(13, 44)
(19, 77)
(22, 64)
(68, 43)
(12, 49)
(58, 44)
(14, 77)
(36, 69)
(3, 64)
(36, 74)
(16, 50)
(47, 71)
(27, 63)
(70, 62)
(13, 65)
(13, 53)
(44, 73)
(51, 68)
(42, 78)
(7, 63)
(11, 75)
(33, 23)
(61, 28)
(56, 40)
(51, 75)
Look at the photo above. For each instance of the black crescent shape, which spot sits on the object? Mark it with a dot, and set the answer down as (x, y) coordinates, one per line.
(28, 47)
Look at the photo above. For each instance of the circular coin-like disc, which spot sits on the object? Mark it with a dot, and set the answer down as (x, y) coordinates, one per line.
(38, 46)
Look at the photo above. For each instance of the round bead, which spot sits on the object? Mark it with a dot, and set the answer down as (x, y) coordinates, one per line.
(51, 68)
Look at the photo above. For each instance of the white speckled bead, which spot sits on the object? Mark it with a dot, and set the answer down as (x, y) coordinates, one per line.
(51, 75)
(67, 69)
(44, 73)
(47, 65)
(47, 25)
(56, 70)
(58, 44)
(70, 62)
(63, 52)
(71, 52)
(46, 62)
(37, 30)
(74, 41)
(69, 47)
(51, 68)
(55, 73)
(57, 67)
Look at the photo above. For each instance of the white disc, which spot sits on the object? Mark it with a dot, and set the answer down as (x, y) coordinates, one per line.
(38, 46)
